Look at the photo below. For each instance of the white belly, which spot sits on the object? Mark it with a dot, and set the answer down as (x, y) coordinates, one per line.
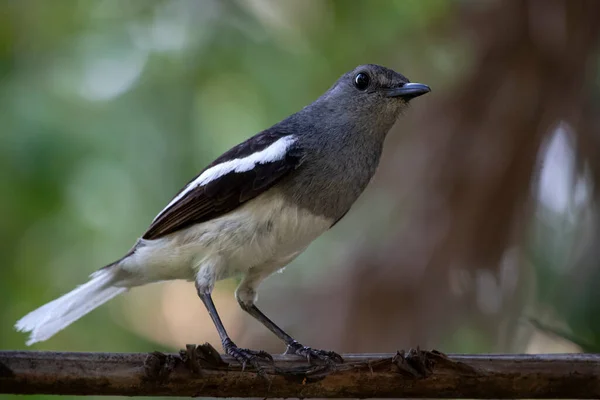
(266, 231)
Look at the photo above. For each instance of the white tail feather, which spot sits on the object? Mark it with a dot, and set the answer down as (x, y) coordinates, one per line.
(50, 318)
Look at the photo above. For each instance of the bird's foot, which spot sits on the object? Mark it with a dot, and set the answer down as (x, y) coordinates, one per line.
(246, 356)
(314, 356)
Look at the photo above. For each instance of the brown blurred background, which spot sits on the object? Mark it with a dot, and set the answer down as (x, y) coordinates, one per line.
(479, 232)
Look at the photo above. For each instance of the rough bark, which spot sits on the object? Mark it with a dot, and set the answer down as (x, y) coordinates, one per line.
(202, 372)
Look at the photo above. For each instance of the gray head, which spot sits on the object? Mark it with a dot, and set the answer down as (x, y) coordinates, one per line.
(343, 133)
(370, 94)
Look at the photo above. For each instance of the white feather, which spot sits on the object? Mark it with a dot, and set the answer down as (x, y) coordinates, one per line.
(275, 151)
(52, 317)
(264, 235)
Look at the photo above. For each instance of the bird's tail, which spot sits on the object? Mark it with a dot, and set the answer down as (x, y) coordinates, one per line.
(50, 318)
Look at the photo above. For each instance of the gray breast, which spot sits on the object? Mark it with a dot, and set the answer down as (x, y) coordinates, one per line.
(333, 175)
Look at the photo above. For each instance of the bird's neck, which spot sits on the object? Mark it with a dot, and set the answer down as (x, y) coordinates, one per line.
(340, 161)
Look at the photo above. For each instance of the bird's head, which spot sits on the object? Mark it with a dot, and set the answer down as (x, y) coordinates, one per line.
(372, 94)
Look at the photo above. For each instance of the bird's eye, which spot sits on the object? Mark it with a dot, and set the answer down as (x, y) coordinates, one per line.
(361, 81)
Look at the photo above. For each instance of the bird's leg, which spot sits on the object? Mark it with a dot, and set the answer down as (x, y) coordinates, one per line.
(293, 347)
(246, 295)
(243, 356)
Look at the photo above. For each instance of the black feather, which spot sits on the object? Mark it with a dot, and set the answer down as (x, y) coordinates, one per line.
(229, 191)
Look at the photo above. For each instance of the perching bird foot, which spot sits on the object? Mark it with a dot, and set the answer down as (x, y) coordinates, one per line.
(247, 356)
(314, 356)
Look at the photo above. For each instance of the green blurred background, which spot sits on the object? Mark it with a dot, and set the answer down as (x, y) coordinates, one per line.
(483, 213)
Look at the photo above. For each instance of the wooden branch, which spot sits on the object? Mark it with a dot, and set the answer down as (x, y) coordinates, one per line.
(200, 371)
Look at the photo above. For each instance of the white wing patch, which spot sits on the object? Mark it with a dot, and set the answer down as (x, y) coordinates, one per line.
(274, 152)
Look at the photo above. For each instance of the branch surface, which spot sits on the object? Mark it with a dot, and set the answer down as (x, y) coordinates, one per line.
(201, 371)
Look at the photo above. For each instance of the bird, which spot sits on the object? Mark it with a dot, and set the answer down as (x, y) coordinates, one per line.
(255, 208)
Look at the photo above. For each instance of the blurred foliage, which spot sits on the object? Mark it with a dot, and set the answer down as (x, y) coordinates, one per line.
(110, 106)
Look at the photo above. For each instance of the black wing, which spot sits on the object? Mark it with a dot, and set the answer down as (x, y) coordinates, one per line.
(230, 190)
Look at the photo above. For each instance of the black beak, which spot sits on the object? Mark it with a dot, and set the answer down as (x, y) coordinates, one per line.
(408, 91)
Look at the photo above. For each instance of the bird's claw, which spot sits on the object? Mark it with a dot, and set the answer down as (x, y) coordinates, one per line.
(314, 356)
(247, 356)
